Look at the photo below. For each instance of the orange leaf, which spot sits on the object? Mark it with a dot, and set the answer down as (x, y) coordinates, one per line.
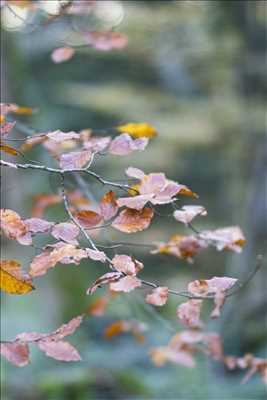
(88, 218)
(130, 220)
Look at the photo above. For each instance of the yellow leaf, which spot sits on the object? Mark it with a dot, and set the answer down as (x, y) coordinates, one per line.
(8, 149)
(134, 189)
(24, 111)
(138, 130)
(2, 119)
(13, 280)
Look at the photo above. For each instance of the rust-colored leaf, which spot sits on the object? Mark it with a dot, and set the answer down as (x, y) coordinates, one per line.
(88, 218)
(130, 221)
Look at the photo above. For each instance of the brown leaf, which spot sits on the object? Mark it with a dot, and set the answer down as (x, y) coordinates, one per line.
(130, 221)
(103, 280)
(88, 218)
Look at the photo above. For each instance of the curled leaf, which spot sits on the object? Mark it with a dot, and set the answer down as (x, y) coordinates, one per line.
(188, 213)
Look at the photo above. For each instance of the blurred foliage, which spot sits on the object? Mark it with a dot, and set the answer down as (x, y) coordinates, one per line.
(195, 70)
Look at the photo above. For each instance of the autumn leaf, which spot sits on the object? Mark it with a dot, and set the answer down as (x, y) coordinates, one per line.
(62, 54)
(97, 308)
(158, 296)
(106, 41)
(189, 313)
(88, 218)
(183, 247)
(108, 206)
(125, 284)
(13, 279)
(15, 352)
(130, 221)
(124, 145)
(61, 252)
(11, 224)
(138, 130)
(188, 213)
(122, 326)
(9, 150)
(75, 159)
(126, 264)
(231, 238)
(103, 280)
(60, 350)
(66, 231)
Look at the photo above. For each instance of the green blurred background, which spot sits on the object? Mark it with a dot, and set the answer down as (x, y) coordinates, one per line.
(196, 70)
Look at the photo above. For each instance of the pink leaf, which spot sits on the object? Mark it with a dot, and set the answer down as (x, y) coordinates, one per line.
(96, 255)
(38, 225)
(106, 41)
(62, 54)
(4, 129)
(66, 231)
(189, 313)
(158, 297)
(75, 159)
(188, 213)
(135, 202)
(108, 206)
(59, 136)
(124, 145)
(135, 173)
(62, 351)
(126, 264)
(126, 284)
(16, 353)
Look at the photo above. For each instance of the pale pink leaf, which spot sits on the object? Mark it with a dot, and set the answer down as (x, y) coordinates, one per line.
(15, 352)
(62, 351)
(126, 284)
(124, 145)
(96, 255)
(38, 225)
(66, 231)
(62, 54)
(189, 313)
(188, 213)
(158, 296)
(59, 136)
(75, 159)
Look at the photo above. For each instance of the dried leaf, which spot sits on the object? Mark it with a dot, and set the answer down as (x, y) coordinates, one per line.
(188, 213)
(4, 129)
(9, 150)
(13, 279)
(125, 284)
(130, 221)
(66, 231)
(231, 238)
(88, 218)
(38, 225)
(103, 280)
(124, 145)
(189, 313)
(96, 255)
(158, 297)
(97, 308)
(126, 264)
(75, 159)
(108, 206)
